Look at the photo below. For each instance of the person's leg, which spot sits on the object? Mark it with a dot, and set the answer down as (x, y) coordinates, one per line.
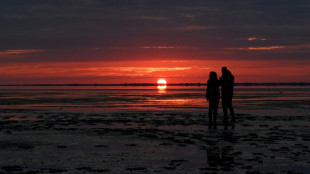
(210, 115)
(210, 111)
(224, 106)
(232, 113)
(215, 116)
(231, 110)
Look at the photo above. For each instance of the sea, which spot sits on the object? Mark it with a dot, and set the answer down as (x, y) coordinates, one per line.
(254, 100)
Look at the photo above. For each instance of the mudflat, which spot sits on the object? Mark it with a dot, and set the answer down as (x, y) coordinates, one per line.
(49, 132)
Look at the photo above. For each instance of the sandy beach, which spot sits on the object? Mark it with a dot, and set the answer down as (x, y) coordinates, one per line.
(59, 140)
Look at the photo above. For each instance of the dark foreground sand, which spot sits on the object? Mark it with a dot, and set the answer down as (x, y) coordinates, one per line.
(34, 141)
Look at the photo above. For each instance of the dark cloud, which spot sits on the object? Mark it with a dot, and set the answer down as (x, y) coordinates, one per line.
(68, 30)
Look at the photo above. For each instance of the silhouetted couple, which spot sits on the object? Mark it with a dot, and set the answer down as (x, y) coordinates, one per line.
(213, 95)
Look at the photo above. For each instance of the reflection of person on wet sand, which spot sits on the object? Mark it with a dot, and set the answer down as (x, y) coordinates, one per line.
(213, 96)
(220, 156)
(227, 90)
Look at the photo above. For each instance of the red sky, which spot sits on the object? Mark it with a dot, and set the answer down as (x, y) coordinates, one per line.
(141, 41)
(174, 71)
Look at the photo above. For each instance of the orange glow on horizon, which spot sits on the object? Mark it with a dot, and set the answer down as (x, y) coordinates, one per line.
(185, 71)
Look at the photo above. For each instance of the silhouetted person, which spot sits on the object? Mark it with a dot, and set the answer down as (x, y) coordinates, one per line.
(227, 89)
(213, 96)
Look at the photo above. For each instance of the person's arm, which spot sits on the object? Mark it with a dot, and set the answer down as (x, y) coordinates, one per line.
(233, 84)
(207, 96)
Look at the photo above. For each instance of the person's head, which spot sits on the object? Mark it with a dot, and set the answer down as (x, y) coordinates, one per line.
(213, 75)
(224, 69)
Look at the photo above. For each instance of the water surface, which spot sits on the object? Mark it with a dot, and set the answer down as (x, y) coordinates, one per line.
(253, 100)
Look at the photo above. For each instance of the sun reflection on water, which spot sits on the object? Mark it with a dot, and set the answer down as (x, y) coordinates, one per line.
(161, 88)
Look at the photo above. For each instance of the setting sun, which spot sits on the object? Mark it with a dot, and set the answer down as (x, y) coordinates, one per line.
(161, 82)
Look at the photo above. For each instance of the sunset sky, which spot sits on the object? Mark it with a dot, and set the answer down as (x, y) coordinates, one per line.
(140, 41)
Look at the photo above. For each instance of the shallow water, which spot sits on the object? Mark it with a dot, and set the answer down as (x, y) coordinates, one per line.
(251, 100)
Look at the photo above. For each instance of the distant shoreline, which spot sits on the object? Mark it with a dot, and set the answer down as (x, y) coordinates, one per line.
(173, 84)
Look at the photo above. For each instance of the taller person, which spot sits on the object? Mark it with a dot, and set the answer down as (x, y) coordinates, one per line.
(227, 92)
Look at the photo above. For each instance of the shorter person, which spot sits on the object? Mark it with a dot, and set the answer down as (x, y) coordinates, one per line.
(213, 96)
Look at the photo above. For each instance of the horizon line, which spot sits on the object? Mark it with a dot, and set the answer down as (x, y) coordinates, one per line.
(170, 84)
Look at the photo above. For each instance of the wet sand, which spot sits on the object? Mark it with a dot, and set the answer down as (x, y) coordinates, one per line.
(57, 141)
